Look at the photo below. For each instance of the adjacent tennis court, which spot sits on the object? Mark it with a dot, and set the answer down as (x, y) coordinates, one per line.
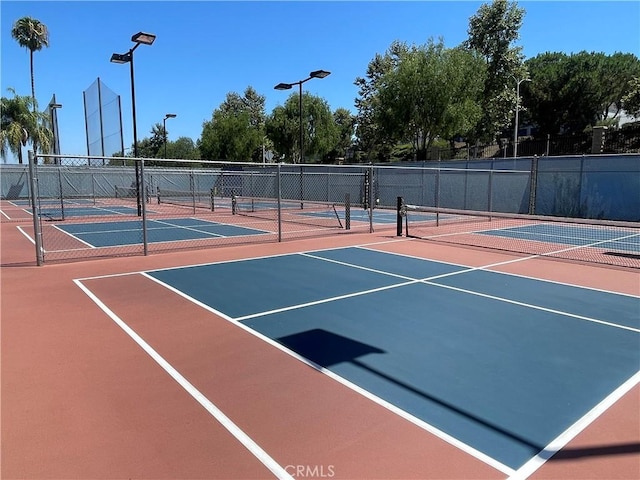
(55, 209)
(500, 365)
(107, 234)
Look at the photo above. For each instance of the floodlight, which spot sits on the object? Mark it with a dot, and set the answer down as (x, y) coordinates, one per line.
(144, 38)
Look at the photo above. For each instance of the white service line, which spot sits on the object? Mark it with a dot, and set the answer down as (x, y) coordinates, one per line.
(225, 421)
(429, 281)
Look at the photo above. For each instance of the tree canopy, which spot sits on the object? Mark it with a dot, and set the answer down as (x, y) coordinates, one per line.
(21, 123)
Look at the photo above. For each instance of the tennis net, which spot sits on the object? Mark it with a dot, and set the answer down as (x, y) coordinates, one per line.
(585, 240)
(187, 198)
(127, 193)
(313, 213)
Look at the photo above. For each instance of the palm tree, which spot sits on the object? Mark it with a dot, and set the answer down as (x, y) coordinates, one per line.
(33, 35)
(20, 122)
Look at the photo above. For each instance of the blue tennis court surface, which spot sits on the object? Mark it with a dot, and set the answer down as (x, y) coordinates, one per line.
(109, 234)
(606, 238)
(505, 364)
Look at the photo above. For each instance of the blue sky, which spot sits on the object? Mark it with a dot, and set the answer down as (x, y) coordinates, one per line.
(205, 49)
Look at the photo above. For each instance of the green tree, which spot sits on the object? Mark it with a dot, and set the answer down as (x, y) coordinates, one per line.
(569, 93)
(33, 35)
(228, 137)
(236, 130)
(21, 123)
(631, 100)
(432, 92)
(345, 122)
(183, 148)
(371, 140)
(282, 131)
(492, 33)
(320, 132)
(616, 76)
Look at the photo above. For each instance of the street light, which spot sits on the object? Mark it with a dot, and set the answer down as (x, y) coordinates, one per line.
(54, 130)
(164, 130)
(139, 38)
(515, 132)
(287, 86)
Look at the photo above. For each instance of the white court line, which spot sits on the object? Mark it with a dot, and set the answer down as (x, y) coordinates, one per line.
(511, 274)
(26, 235)
(534, 307)
(72, 235)
(570, 433)
(365, 393)
(429, 281)
(354, 387)
(192, 229)
(198, 396)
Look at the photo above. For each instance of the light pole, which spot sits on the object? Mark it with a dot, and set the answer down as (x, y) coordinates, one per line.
(139, 38)
(54, 131)
(164, 130)
(515, 130)
(287, 86)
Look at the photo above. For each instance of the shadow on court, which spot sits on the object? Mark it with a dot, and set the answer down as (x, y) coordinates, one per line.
(326, 349)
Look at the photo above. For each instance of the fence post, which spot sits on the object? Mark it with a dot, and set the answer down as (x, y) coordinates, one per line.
(37, 233)
(279, 193)
(597, 141)
(142, 198)
(533, 181)
(61, 192)
(370, 199)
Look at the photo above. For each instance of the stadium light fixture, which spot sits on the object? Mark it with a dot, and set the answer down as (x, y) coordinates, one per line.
(140, 38)
(144, 38)
(164, 130)
(120, 58)
(288, 86)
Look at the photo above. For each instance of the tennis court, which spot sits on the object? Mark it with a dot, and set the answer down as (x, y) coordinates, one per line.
(54, 209)
(429, 340)
(108, 234)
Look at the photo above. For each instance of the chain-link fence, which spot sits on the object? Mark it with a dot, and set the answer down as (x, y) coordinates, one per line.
(81, 208)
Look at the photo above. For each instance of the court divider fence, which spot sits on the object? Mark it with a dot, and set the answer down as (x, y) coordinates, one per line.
(87, 207)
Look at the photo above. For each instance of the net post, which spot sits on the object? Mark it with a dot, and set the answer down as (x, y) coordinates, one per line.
(347, 211)
(213, 208)
(234, 205)
(399, 203)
